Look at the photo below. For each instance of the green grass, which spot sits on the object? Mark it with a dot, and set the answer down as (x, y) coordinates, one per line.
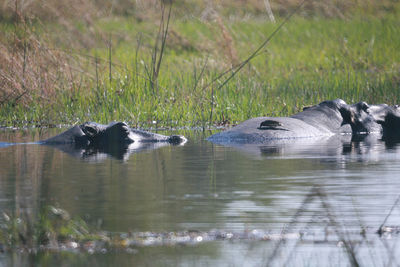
(308, 61)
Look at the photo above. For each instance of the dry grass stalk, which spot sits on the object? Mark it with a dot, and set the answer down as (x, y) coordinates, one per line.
(269, 11)
(45, 10)
(226, 44)
(176, 41)
(29, 68)
(148, 9)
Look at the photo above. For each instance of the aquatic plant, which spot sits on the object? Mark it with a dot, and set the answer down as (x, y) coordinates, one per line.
(55, 230)
(121, 66)
(52, 227)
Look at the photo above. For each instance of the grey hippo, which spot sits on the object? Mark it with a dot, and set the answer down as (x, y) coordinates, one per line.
(325, 119)
(92, 141)
(115, 133)
(328, 118)
(387, 117)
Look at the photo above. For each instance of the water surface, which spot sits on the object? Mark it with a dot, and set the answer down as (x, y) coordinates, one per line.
(202, 186)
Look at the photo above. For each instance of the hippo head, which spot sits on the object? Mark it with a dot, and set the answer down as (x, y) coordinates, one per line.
(177, 139)
(114, 133)
(359, 118)
(388, 117)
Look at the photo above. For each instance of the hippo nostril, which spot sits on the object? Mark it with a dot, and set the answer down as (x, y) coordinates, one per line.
(176, 139)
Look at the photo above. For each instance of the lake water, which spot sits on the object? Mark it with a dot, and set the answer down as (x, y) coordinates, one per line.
(325, 198)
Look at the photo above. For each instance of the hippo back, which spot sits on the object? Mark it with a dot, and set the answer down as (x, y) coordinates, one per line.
(75, 135)
(323, 119)
(325, 116)
(252, 131)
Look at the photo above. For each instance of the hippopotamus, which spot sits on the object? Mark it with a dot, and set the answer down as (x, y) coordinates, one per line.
(359, 118)
(115, 133)
(94, 141)
(389, 118)
(386, 117)
(325, 119)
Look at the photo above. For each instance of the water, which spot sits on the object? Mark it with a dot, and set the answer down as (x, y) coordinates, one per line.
(340, 191)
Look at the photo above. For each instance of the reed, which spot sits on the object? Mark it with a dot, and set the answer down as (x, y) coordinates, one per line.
(182, 79)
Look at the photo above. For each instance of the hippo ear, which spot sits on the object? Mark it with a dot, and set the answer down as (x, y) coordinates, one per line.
(347, 115)
(364, 106)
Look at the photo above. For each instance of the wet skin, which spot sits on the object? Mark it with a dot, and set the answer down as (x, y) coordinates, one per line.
(115, 133)
(92, 141)
(387, 117)
(95, 141)
(325, 119)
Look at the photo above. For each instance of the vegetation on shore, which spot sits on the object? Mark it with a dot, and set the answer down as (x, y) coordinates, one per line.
(104, 62)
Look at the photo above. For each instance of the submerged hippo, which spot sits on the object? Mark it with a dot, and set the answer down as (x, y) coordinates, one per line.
(115, 133)
(95, 141)
(359, 118)
(325, 119)
(389, 118)
(386, 117)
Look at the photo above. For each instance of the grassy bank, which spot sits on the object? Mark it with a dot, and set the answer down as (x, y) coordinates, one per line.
(101, 69)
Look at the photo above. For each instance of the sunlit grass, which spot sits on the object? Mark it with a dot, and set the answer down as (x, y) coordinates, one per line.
(308, 61)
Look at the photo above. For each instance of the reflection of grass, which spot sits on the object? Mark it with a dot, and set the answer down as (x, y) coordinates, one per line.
(52, 227)
(352, 242)
(54, 230)
(309, 60)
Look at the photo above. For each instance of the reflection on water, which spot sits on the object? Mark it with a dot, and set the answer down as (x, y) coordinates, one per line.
(117, 151)
(202, 186)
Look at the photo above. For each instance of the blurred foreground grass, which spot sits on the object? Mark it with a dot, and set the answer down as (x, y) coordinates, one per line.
(99, 64)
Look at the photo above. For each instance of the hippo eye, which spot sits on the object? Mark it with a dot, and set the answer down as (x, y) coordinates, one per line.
(90, 130)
